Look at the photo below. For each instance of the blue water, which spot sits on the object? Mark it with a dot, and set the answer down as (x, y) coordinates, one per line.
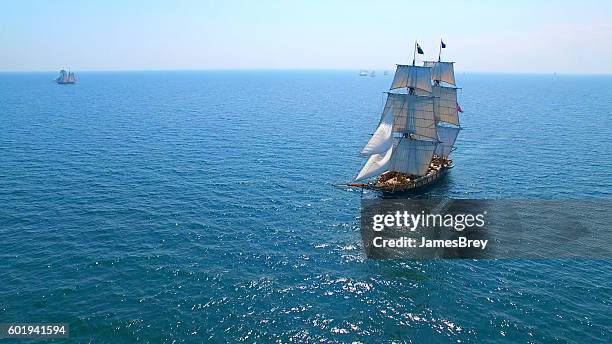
(171, 207)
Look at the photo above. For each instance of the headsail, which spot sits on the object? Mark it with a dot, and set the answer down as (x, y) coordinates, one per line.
(406, 156)
(416, 77)
(376, 164)
(412, 114)
(413, 156)
(382, 140)
(441, 71)
(445, 104)
(447, 136)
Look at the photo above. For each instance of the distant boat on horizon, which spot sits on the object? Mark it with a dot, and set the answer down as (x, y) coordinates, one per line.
(373, 73)
(363, 72)
(65, 77)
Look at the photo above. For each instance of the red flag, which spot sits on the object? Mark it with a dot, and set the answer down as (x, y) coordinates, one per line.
(459, 108)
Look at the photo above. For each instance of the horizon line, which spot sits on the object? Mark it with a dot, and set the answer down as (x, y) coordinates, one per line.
(288, 69)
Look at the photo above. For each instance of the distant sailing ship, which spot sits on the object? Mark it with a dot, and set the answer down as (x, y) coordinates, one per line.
(373, 73)
(417, 131)
(363, 72)
(65, 77)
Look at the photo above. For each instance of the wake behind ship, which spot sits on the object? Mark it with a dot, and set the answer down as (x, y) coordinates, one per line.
(417, 131)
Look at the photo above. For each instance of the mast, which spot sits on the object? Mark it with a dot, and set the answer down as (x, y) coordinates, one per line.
(410, 90)
(446, 106)
(437, 82)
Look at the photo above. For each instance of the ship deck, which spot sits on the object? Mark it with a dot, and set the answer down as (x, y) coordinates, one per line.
(395, 182)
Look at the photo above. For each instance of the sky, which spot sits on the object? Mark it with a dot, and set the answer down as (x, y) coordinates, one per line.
(536, 36)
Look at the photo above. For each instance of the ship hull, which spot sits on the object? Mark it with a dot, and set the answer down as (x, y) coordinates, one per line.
(418, 185)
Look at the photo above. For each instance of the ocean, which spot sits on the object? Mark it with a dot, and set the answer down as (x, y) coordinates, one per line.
(198, 206)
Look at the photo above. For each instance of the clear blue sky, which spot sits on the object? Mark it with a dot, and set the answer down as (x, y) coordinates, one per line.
(500, 36)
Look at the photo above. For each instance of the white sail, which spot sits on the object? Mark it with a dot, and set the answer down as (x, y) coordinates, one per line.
(62, 76)
(376, 164)
(65, 77)
(447, 137)
(445, 104)
(412, 76)
(441, 71)
(413, 156)
(382, 139)
(412, 114)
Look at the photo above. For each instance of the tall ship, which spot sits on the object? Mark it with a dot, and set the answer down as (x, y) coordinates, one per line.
(65, 77)
(417, 130)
